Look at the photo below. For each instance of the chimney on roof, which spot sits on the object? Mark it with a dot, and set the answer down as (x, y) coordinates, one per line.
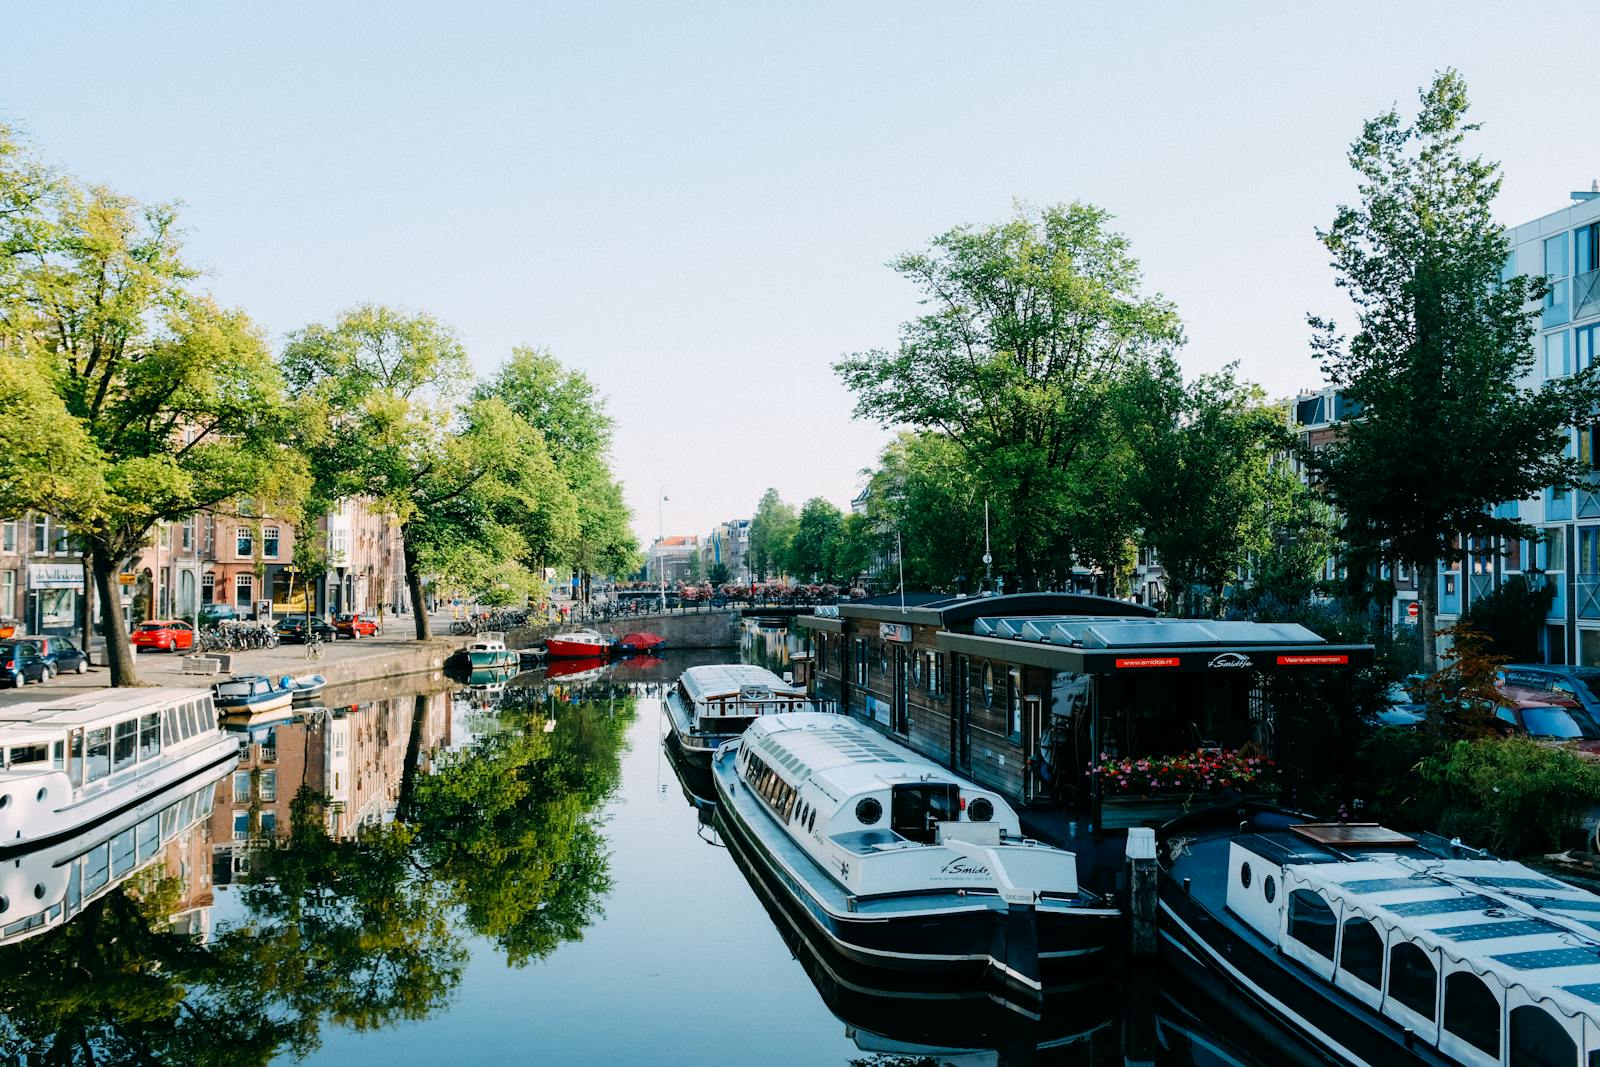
(1592, 193)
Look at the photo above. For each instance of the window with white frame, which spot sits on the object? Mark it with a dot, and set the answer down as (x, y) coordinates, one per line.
(208, 588)
(188, 532)
(8, 536)
(41, 534)
(269, 541)
(244, 542)
(243, 588)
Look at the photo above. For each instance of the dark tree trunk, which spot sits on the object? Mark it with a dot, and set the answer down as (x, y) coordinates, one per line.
(1428, 595)
(86, 605)
(419, 608)
(119, 653)
(408, 770)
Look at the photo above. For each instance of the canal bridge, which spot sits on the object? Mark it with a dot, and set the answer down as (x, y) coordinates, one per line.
(707, 628)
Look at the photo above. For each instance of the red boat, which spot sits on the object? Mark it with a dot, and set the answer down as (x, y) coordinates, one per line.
(641, 642)
(574, 670)
(578, 644)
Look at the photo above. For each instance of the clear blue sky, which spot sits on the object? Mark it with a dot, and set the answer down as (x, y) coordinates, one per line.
(693, 202)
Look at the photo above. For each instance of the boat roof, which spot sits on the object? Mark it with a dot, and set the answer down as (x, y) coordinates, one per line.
(49, 718)
(715, 681)
(1499, 917)
(853, 757)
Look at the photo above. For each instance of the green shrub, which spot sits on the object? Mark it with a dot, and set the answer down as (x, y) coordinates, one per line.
(1511, 795)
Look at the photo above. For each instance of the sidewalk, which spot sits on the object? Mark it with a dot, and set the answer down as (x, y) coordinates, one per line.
(344, 660)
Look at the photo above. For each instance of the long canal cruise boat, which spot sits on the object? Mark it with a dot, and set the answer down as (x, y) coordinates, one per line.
(1383, 948)
(73, 762)
(899, 864)
(713, 704)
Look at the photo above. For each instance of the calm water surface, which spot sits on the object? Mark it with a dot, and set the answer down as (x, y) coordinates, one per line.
(509, 873)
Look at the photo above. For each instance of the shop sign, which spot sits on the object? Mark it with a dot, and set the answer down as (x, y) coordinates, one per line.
(1230, 661)
(894, 631)
(55, 576)
(1326, 659)
(1147, 661)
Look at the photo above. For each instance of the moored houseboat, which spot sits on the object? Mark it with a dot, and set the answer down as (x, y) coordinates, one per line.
(712, 704)
(1382, 947)
(74, 762)
(898, 863)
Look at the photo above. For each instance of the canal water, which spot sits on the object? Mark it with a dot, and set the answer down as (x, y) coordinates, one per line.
(510, 872)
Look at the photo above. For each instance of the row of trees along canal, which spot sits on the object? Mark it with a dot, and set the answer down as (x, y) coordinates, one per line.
(130, 399)
(1043, 381)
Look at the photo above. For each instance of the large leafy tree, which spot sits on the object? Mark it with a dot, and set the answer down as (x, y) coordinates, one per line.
(149, 401)
(925, 490)
(814, 549)
(1443, 344)
(566, 408)
(1201, 481)
(1032, 327)
(392, 386)
(771, 533)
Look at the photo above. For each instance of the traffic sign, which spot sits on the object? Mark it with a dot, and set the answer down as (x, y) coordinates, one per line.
(1413, 610)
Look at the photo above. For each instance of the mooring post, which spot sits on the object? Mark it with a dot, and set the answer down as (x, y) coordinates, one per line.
(1141, 862)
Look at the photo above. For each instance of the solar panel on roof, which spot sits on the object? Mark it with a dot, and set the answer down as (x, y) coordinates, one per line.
(1545, 958)
(1263, 633)
(1445, 906)
(1495, 882)
(1589, 991)
(1589, 904)
(1390, 885)
(1489, 931)
(1123, 635)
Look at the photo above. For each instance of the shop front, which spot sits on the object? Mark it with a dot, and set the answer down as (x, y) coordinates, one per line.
(55, 591)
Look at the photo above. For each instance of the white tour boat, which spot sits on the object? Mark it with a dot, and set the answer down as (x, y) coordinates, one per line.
(45, 887)
(897, 862)
(713, 704)
(74, 762)
(1380, 947)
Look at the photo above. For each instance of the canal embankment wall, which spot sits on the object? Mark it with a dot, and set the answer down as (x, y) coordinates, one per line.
(695, 629)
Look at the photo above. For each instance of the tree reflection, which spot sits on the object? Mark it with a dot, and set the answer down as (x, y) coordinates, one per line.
(502, 839)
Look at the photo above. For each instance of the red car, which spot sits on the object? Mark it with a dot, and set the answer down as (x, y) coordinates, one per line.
(348, 624)
(173, 635)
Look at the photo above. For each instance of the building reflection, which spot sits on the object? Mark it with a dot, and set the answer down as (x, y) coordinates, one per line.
(353, 756)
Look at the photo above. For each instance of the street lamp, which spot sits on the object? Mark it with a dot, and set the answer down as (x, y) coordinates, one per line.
(661, 534)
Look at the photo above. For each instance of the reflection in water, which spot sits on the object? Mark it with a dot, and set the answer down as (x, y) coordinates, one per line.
(366, 845)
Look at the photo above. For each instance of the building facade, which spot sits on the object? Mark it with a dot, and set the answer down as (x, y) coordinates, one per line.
(1565, 246)
(670, 559)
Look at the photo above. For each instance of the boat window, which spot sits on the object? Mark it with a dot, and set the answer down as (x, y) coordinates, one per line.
(788, 804)
(1472, 1012)
(20, 754)
(97, 755)
(149, 838)
(96, 868)
(1537, 1039)
(1362, 953)
(1311, 922)
(1413, 981)
(56, 756)
(1014, 704)
(988, 685)
(1269, 888)
(918, 809)
(169, 724)
(1244, 874)
(916, 671)
(125, 747)
(150, 736)
(980, 810)
(811, 820)
(868, 811)
(123, 853)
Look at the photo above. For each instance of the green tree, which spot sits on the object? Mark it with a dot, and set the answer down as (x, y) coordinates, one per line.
(164, 403)
(1511, 618)
(457, 475)
(566, 408)
(1034, 326)
(1445, 428)
(718, 574)
(926, 490)
(771, 531)
(861, 544)
(814, 549)
(1200, 484)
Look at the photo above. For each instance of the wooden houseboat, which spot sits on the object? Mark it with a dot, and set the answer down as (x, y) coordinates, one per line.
(1045, 697)
(712, 704)
(1383, 948)
(898, 863)
(74, 762)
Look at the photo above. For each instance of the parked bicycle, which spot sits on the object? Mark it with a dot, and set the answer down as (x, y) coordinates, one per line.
(314, 643)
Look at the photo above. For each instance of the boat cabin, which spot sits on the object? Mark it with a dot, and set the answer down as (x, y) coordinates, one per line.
(726, 697)
(1489, 961)
(1094, 705)
(99, 737)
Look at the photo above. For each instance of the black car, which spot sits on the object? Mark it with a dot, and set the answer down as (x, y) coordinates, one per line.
(20, 663)
(293, 628)
(62, 653)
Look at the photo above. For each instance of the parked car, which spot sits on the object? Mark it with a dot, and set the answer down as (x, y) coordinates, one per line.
(62, 653)
(168, 635)
(1580, 683)
(216, 614)
(1548, 715)
(294, 628)
(354, 624)
(20, 663)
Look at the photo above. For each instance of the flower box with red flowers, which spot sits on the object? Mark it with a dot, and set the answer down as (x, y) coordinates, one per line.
(1135, 790)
